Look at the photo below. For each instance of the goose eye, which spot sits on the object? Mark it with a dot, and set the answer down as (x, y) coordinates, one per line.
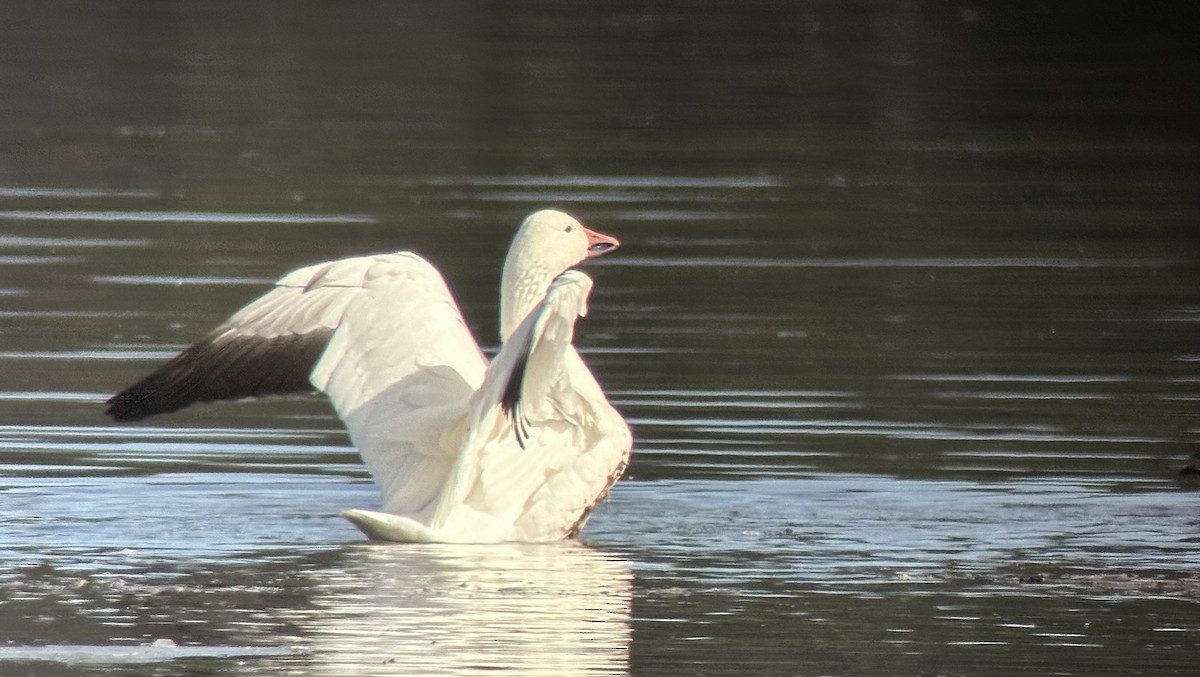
(570, 228)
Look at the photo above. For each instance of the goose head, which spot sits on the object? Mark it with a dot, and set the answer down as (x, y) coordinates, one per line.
(547, 243)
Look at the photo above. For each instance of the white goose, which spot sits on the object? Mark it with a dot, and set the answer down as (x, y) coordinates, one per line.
(518, 450)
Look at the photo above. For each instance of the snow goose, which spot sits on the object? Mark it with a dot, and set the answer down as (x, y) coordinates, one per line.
(521, 449)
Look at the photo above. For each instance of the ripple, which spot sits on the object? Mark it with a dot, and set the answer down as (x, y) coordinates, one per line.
(765, 262)
(184, 217)
(41, 192)
(157, 431)
(71, 355)
(962, 394)
(18, 241)
(1014, 378)
(179, 281)
(38, 260)
(116, 654)
(50, 396)
(611, 181)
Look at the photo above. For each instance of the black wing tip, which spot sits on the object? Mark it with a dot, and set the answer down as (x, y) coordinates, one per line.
(520, 428)
(123, 409)
(222, 369)
(510, 400)
(138, 402)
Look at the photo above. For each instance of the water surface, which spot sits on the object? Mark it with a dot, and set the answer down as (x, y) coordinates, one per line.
(906, 321)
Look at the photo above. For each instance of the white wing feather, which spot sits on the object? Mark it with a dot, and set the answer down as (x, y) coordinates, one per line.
(398, 363)
(399, 369)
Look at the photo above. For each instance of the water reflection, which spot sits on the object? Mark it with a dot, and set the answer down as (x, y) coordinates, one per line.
(559, 609)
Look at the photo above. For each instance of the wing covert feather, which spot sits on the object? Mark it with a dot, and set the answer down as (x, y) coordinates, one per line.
(404, 320)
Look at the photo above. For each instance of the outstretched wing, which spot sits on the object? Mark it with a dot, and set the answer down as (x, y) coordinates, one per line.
(268, 347)
(380, 335)
(382, 314)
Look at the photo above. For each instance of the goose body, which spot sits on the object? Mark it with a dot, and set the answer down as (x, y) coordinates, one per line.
(463, 450)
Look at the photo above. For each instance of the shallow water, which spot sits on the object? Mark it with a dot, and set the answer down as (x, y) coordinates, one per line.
(906, 320)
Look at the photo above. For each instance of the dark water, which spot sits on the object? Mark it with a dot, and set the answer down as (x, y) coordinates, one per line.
(907, 323)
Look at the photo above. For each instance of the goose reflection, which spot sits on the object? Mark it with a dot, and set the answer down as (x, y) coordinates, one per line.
(549, 609)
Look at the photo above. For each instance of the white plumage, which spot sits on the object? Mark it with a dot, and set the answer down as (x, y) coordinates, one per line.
(463, 451)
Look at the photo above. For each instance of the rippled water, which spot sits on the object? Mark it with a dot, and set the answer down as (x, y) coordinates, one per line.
(906, 320)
